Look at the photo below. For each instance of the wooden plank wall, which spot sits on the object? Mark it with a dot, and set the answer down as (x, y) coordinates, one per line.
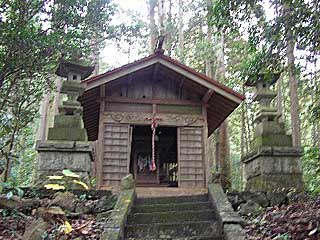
(158, 89)
(116, 154)
(191, 157)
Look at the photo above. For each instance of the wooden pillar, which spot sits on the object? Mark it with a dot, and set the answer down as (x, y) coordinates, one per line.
(100, 150)
(178, 155)
(206, 159)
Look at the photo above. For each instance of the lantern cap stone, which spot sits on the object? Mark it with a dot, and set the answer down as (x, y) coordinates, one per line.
(267, 77)
(65, 67)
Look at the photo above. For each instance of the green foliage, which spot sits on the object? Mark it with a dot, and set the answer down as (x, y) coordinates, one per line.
(34, 36)
(311, 169)
(11, 190)
(260, 61)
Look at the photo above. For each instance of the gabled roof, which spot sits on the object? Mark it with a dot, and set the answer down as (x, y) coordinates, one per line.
(221, 101)
(175, 65)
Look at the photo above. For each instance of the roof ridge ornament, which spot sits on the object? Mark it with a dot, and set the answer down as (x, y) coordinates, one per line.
(158, 49)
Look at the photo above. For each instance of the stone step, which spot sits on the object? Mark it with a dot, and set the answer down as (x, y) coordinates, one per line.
(167, 200)
(170, 217)
(148, 208)
(174, 230)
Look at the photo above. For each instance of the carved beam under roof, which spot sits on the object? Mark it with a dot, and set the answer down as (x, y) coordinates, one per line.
(207, 96)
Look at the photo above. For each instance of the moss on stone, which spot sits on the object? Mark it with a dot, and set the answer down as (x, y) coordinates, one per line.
(68, 121)
(272, 140)
(67, 134)
(114, 228)
(275, 181)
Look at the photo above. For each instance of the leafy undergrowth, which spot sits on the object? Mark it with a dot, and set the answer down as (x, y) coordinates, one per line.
(89, 228)
(295, 221)
(57, 216)
(13, 227)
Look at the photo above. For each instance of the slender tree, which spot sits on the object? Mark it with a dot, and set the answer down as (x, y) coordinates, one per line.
(152, 24)
(293, 80)
(181, 35)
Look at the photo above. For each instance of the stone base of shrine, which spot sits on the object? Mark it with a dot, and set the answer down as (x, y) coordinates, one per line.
(273, 169)
(55, 156)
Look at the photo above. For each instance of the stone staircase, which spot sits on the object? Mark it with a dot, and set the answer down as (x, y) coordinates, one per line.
(181, 217)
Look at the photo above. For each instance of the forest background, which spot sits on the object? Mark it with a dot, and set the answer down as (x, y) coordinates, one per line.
(227, 40)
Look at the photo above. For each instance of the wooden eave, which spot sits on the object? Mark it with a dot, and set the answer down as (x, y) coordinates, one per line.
(219, 99)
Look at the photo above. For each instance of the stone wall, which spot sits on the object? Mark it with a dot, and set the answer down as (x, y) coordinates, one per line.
(114, 228)
(230, 221)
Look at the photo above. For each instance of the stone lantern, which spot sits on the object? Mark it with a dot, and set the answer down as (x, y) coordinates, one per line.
(67, 146)
(273, 162)
(68, 124)
(269, 130)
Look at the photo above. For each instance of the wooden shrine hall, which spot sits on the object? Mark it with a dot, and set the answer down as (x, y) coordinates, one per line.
(152, 118)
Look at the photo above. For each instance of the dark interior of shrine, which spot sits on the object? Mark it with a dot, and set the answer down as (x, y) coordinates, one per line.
(165, 156)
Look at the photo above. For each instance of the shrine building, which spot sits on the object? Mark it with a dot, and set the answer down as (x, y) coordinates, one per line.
(152, 118)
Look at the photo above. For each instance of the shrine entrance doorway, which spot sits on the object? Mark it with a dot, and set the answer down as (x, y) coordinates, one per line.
(166, 161)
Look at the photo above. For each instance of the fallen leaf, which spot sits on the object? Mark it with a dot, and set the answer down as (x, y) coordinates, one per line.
(67, 227)
(312, 232)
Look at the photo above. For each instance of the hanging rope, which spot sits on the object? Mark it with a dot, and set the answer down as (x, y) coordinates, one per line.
(154, 125)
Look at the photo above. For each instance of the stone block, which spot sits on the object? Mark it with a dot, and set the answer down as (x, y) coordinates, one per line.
(275, 182)
(54, 145)
(127, 182)
(287, 151)
(72, 86)
(272, 140)
(64, 146)
(233, 232)
(222, 206)
(71, 108)
(114, 227)
(269, 165)
(273, 169)
(83, 146)
(54, 156)
(67, 134)
(68, 121)
(64, 160)
(269, 127)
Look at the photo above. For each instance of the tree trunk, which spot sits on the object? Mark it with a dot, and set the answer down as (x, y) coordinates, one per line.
(213, 159)
(9, 152)
(168, 31)
(42, 130)
(152, 25)
(222, 145)
(315, 103)
(243, 127)
(181, 36)
(94, 54)
(280, 98)
(247, 126)
(161, 17)
(293, 83)
(224, 151)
